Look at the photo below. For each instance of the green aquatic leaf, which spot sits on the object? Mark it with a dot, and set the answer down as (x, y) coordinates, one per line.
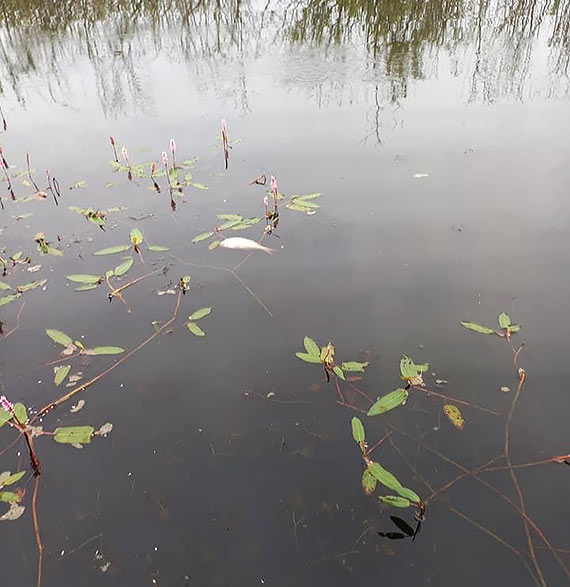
(338, 372)
(311, 346)
(157, 248)
(504, 320)
(368, 482)
(59, 337)
(308, 358)
(384, 476)
(61, 373)
(298, 207)
(409, 370)
(74, 434)
(202, 237)
(200, 313)
(21, 413)
(195, 329)
(4, 286)
(31, 285)
(199, 186)
(477, 327)
(113, 250)
(123, 267)
(86, 287)
(388, 402)
(213, 245)
(84, 278)
(229, 224)
(4, 417)
(230, 217)
(355, 366)
(11, 479)
(106, 350)
(9, 497)
(514, 328)
(394, 500)
(7, 299)
(136, 237)
(454, 415)
(409, 494)
(357, 430)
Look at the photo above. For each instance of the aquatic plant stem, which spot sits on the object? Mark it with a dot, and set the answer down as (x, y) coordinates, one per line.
(37, 531)
(10, 332)
(429, 392)
(84, 386)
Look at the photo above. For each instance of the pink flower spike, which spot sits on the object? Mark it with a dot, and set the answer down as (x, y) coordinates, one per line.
(6, 405)
(224, 127)
(153, 168)
(125, 154)
(164, 159)
(172, 146)
(112, 141)
(274, 187)
(266, 201)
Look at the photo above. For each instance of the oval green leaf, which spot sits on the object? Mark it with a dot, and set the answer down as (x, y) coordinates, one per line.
(31, 285)
(354, 366)
(338, 372)
(113, 250)
(4, 417)
(7, 299)
(59, 337)
(195, 329)
(200, 313)
(308, 358)
(477, 327)
(394, 500)
(311, 346)
(4, 286)
(388, 402)
(82, 278)
(357, 430)
(136, 237)
(514, 328)
(202, 237)
(86, 287)
(61, 374)
(409, 494)
(11, 479)
(106, 350)
(123, 267)
(368, 482)
(454, 415)
(9, 497)
(504, 320)
(74, 434)
(21, 413)
(384, 476)
(157, 248)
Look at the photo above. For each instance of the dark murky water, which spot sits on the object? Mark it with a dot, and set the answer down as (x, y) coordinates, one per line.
(205, 480)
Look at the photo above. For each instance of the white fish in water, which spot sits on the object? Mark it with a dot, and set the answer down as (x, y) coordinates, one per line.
(244, 244)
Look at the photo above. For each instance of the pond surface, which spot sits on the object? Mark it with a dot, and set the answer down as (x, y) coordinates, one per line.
(437, 134)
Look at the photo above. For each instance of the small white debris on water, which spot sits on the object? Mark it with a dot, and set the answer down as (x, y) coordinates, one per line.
(62, 553)
(421, 175)
(270, 394)
(505, 389)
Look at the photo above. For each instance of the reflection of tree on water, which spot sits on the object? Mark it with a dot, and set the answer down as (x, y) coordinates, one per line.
(491, 42)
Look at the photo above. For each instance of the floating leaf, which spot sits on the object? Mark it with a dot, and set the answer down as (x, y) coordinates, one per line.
(86, 287)
(514, 328)
(9, 497)
(214, 245)
(84, 278)
(7, 299)
(61, 373)
(308, 358)
(202, 237)
(504, 320)
(79, 406)
(368, 482)
(199, 186)
(157, 248)
(200, 313)
(357, 430)
(229, 224)
(477, 327)
(409, 370)
(4, 286)
(136, 237)
(195, 329)
(393, 500)
(454, 415)
(338, 372)
(354, 366)
(31, 285)
(388, 402)
(105, 429)
(59, 337)
(8, 479)
(74, 434)
(106, 350)
(307, 197)
(113, 250)
(230, 217)
(409, 494)
(21, 413)
(384, 476)
(13, 513)
(123, 267)
(311, 346)
(4, 417)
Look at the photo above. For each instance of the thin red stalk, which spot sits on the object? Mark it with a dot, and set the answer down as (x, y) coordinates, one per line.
(10, 332)
(455, 400)
(386, 435)
(37, 531)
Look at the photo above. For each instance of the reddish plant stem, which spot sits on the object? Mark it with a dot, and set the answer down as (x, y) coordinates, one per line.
(37, 531)
(386, 435)
(429, 392)
(10, 332)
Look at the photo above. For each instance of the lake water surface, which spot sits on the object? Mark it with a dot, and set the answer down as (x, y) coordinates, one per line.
(437, 134)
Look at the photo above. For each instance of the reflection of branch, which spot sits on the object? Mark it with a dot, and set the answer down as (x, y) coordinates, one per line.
(10, 332)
